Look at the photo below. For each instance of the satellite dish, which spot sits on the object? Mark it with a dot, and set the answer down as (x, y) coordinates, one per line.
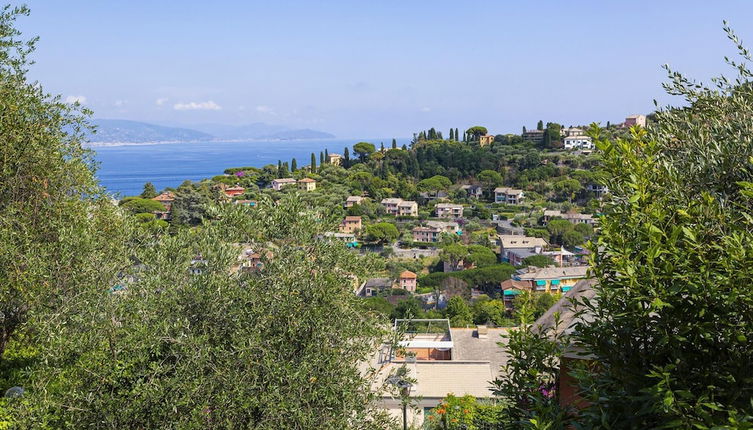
(14, 392)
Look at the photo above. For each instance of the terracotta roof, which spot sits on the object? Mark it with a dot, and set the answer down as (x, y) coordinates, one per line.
(164, 197)
(307, 180)
(352, 218)
(408, 275)
(235, 188)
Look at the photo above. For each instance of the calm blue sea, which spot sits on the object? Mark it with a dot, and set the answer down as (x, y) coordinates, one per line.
(124, 169)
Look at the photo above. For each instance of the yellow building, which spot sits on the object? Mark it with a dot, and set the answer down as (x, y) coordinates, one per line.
(307, 184)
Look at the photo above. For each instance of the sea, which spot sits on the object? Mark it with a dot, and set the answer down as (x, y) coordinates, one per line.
(124, 168)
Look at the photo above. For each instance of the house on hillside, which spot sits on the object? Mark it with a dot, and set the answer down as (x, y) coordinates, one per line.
(578, 142)
(450, 227)
(390, 205)
(407, 281)
(350, 224)
(535, 136)
(167, 198)
(449, 210)
(353, 200)
(373, 286)
(514, 248)
(278, 184)
(426, 234)
(511, 289)
(234, 191)
(599, 190)
(335, 159)
(486, 139)
(575, 218)
(407, 208)
(510, 196)
(473, 191)
(307, 184)
(635, 120)
(572, 131)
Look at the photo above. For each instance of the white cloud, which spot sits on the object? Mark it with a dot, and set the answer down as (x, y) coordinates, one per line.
(120, 103)
(160, 101)
(425, 109)
(75, 99)
(208, 105)
(265, 109)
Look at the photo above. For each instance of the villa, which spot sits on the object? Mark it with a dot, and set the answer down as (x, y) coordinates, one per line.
(449, 210)
(278, 184)
(307, 184)
(508, 195)
(353, 200)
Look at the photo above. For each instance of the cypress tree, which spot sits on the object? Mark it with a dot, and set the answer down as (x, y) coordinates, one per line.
(540, 125)
(279, 169)
(321, 157)
(394, 143)
(381, 148)
(293, 165)
(405, 148)
(524, 129)
(457, 136)
(452, 135)
(326, 155)
(346, 158)
(608, 124)
(313, 162)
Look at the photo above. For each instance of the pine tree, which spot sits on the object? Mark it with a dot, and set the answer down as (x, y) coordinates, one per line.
(293, 165)
(394, 143)
(540, 125)
(149, 191)
(313, 162)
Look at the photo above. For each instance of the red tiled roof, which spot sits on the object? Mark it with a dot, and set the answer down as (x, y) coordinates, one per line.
(408, 275)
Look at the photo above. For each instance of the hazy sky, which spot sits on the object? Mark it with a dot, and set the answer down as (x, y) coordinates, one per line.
(376, 68)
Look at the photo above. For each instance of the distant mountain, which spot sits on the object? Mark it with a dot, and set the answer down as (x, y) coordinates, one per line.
(120, 130)
(125, 131)
(260, 130)
(304, 133)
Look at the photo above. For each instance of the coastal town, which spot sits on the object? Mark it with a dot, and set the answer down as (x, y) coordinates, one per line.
(458, 253)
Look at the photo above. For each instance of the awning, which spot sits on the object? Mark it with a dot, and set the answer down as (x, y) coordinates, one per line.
(540, 283)
(511, 292)
(555, 282)
(566, 289)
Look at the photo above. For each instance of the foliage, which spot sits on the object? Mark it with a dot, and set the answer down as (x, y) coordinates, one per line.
(458, 312)
(139, 205)
(213, 350)
(363, 150)
(383, 232)
(673, 317)
(528, 380)
(479, 277)
(465, 413)
(538, 261)
(149, 191)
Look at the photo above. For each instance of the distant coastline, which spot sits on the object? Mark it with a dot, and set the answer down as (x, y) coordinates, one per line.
(172, 142)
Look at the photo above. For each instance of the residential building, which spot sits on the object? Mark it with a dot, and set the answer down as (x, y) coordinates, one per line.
(426, 197)
(407, 281)
(486, 139)
(552, 279)
(391, 205)
(505, 227)
(350, 224)
(353, 200)
(250, 260)
(449, 210)
(426, 234)
(575, 218)
(440, 360)
(373, 286)
(511, 289)
(307, 184)
(573, 131)
(535, 136)
(335, 159)
(514, 248)
(407, 208)
(474, 191)
(167, 198)
(508, 195)
(578, 142)
(234, 191)
(446, 226)
(635, 120)
(598, 190)
(251, 203)
(278, 184)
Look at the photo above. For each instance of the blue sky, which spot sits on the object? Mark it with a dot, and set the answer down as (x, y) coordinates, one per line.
(380, 68)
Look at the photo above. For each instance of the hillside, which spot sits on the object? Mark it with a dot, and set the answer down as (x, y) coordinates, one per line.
(119, 130)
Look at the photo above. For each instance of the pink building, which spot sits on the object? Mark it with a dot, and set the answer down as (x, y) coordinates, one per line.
(407, 281)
